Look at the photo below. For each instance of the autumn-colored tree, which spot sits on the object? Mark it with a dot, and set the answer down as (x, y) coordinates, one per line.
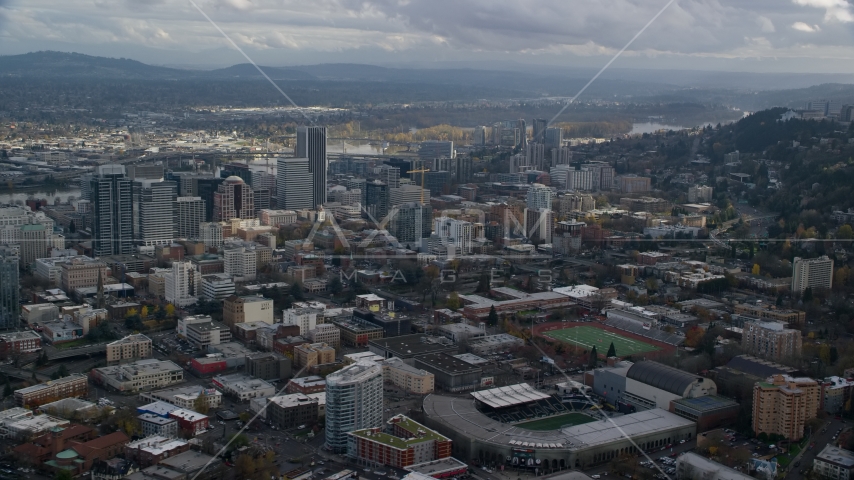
(170, 310)
(845, 232)
(131, 312)
(200, 404)
(824, 353)
(756, 269)
(245, 466)
(694, 336)
(143, 312)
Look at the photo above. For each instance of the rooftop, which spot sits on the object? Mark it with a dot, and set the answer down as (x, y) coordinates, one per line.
(406, 346)
(156, 444)
(836, 456)
(130, 339)
(142, 367)
(707, 403)
(241, 383)
(510, 395)
(358, 372)
(187, 415)
(447, 363)
(157, 408)
(157, 419)
(472, 359)
(436, 466)
(293, 400)
(420, 433)
(50, 383)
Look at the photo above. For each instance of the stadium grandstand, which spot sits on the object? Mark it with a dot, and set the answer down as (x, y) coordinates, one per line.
(639, 328)
(518, 403)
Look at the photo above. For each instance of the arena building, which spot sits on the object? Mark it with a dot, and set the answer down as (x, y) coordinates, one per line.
(493, 438)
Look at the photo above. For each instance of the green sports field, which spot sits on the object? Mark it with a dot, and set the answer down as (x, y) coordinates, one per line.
(587, 336)
(558, 421)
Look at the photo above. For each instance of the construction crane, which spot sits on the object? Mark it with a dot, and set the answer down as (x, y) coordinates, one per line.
(421, 171)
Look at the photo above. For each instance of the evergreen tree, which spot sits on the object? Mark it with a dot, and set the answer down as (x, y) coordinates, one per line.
(296, 292)
(492, 319)
(807, 295)
(612, 352)
(594, 358)
(72, 227)
(7, 390)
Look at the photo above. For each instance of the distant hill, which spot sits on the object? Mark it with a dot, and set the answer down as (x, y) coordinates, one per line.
(247, 70)
(61, 64)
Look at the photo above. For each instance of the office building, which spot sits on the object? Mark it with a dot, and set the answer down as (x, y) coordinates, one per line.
(326, 333)
(244, 387)
(464, 169)
(354, 400)
(700, 193)
(206, 334)
(183, 284)
(435, 182)
(376, 199)
(783, 404)
(539, 196)
(389, 175)
(234, 198)
(411, 222)
(111, 193)
(34, 243)
(240, 263)
(771, 340)
(538, 130)
(154, 211)
(275, 218)
(815, 273)
(403, 443)
(217, 286)
(311, 144)
(190, 213)
(291, 411)
(294, 184)
(536, 156)
(408, 194)
(432, 149)
(553, 138)
(81, 272)
(268, 366)
(834, 463)
(129, 349)
(248, 308)
(634, 184)
(10, 305)
(72, 386)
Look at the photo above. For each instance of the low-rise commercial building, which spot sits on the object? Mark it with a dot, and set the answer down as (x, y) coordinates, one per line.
(249, 308)
(291, 411)
(357, 334)
(17, 343)
(244, 387)
(186, 396)
(306, 385)
(129, 349)
(492, 344)
(326, 333)
(152, 449)
(203, 335)
(268, 366)
(138, 376)
(190, 422)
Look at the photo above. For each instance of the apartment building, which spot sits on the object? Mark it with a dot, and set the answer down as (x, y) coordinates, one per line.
(771, 340)
(290, 411)
(411, 379)
(834, 463)
(310, 354)
(206, 334)
(354, 400)
(129, 349)
(783, 404)
(403, 443)
(770, 312)
(814, 273)
(73, 386)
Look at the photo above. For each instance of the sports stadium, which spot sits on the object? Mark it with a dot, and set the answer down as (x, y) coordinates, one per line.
(521, 427)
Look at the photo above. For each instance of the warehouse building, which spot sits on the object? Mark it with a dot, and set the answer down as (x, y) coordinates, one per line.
(407, 347)
(450, 373)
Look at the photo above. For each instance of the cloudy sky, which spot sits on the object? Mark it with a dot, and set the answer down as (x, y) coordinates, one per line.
(809, 36)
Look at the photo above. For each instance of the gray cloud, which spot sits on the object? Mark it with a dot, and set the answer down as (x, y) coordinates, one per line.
(692, 33)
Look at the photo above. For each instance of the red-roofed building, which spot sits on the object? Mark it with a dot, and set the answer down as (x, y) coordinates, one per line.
(189, 421)
(74, 449)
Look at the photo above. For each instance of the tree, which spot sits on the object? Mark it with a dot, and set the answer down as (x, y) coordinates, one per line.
(245, 466)
(594, 358)
(492, 319)
(131, 312)
(238, 441)
(7, 390)
(806, 297)
(200, 404)
(143, 312)
(845, 232)
(335, 286)
(297, 292)
(63, 371)
(755, 270)
(170, 310)
(612, 352)
(160, 314)
(73, 228)
(244, 417)
(483, 285)
(63, 475)
(453, 301)
(694, 336)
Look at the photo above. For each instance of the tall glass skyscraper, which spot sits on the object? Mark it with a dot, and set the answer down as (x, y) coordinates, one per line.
(10, 305)
(311, 144)
(111, 194)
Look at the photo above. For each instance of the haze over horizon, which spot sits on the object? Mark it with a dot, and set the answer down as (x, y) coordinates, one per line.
(763, 36)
